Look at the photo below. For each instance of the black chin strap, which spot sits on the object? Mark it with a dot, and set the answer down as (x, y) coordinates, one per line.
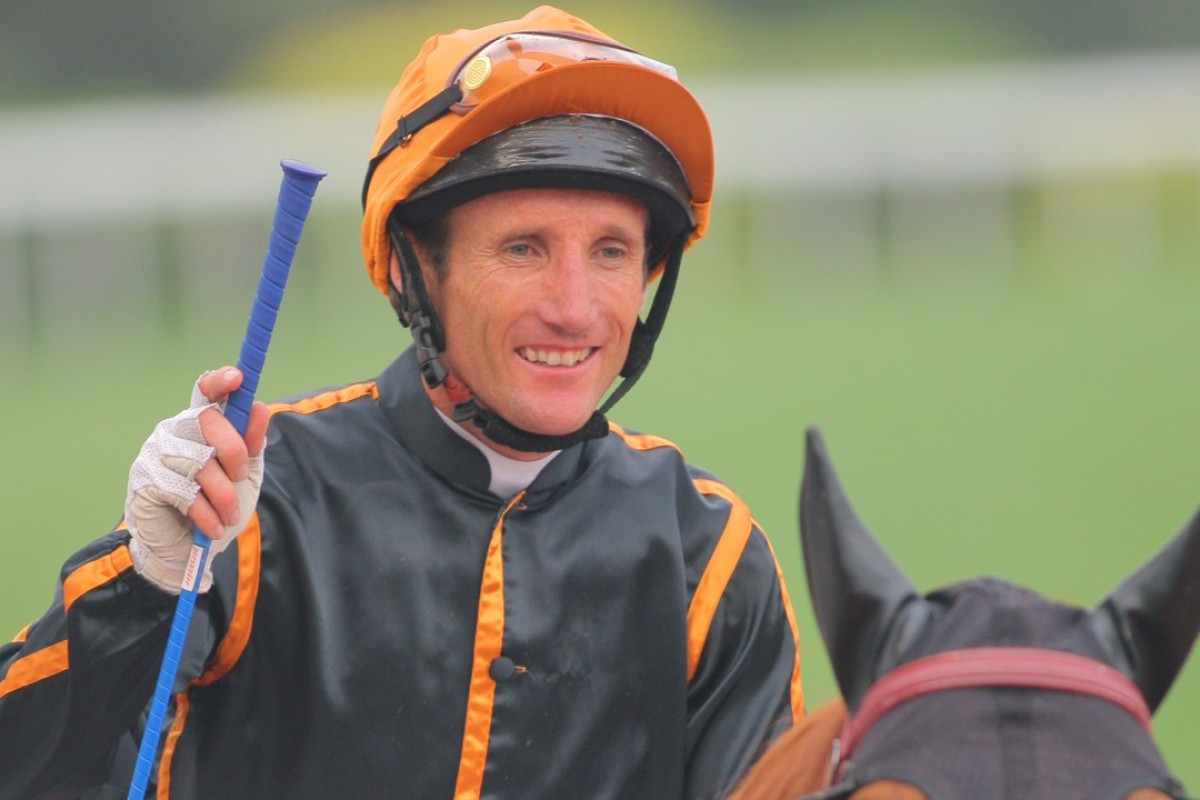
(417, 313)
(645, 334)
(501, 431)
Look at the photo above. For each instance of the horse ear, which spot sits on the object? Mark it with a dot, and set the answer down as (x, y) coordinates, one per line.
(857, 591)
(1150, 621)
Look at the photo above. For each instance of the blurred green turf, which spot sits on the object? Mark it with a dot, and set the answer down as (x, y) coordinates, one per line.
(1045, 436)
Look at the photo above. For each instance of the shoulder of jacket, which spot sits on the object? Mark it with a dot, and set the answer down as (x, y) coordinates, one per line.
(323, 399)
(642, 442)
(705, 483)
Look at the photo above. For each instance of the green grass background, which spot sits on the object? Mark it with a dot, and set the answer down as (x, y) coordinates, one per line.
(1038, 428)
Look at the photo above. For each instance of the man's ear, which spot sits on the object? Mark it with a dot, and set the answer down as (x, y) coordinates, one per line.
(420, 252)
(395, 281)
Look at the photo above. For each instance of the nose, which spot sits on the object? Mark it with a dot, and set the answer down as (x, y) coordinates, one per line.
(568, 295)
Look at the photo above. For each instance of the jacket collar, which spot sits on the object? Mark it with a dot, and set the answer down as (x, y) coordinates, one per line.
(407, 407)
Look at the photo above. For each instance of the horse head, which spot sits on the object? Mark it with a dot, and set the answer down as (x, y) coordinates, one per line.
(985, 689)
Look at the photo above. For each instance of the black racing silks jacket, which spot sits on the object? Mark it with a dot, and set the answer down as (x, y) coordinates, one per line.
(385, 627)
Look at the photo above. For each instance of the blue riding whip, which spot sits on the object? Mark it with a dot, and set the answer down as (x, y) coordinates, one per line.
(295, 198)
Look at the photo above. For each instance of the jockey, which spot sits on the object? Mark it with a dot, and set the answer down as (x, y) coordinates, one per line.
(456, 578)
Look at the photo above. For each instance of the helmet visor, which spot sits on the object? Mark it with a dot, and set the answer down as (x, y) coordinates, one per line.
(509, 59)
(499, 65)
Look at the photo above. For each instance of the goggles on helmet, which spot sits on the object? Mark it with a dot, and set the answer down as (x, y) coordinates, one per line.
(505, 61)
(501, 63)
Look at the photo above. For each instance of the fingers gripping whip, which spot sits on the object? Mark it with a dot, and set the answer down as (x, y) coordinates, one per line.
(295, 197)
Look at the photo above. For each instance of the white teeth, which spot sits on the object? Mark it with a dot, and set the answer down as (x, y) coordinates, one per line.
(555, 358)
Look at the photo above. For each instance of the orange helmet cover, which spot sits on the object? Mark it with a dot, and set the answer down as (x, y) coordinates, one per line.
(640, 95)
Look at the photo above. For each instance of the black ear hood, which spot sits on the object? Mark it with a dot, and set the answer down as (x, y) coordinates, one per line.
(868, 610)
(865, 606)
(1151, 620)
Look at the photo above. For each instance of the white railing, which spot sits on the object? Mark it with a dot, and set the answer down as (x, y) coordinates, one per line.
(90, 166)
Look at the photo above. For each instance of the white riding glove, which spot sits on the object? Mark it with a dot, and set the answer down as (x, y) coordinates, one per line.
(162, 487)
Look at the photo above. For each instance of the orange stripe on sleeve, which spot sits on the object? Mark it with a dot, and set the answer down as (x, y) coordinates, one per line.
(720, 569)
(326, 399)
(233, 643)
(797, 689)
(36, 666)
(717, 573)
(489, 638)
(641, 441)
(49, 661)
(164, 764)
(716, 577)
(95, 573)
(228, 650)
(249, 544)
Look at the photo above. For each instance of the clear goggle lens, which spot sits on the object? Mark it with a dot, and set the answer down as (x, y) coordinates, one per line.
(507, 60)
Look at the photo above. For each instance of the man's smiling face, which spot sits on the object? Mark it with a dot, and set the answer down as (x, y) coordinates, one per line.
(539, 299)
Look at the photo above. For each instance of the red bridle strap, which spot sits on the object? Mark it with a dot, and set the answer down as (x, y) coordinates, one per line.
(976, 667)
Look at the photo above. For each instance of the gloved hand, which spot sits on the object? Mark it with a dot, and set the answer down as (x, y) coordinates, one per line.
(194, 470)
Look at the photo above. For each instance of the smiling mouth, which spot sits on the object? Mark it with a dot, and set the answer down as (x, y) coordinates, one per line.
(555, 358)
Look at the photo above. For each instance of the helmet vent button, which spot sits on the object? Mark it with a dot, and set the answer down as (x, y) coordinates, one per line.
(476, 72)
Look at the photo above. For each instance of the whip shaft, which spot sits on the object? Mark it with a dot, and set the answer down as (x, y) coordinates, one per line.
(296, 191)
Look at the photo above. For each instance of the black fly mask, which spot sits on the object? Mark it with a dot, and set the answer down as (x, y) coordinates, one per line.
(985, 690)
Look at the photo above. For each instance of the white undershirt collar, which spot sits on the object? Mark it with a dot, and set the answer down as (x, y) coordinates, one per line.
(508, 475)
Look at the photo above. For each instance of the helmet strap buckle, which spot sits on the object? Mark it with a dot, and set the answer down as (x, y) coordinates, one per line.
(416, 312)
(407, 125)
(465, 407)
